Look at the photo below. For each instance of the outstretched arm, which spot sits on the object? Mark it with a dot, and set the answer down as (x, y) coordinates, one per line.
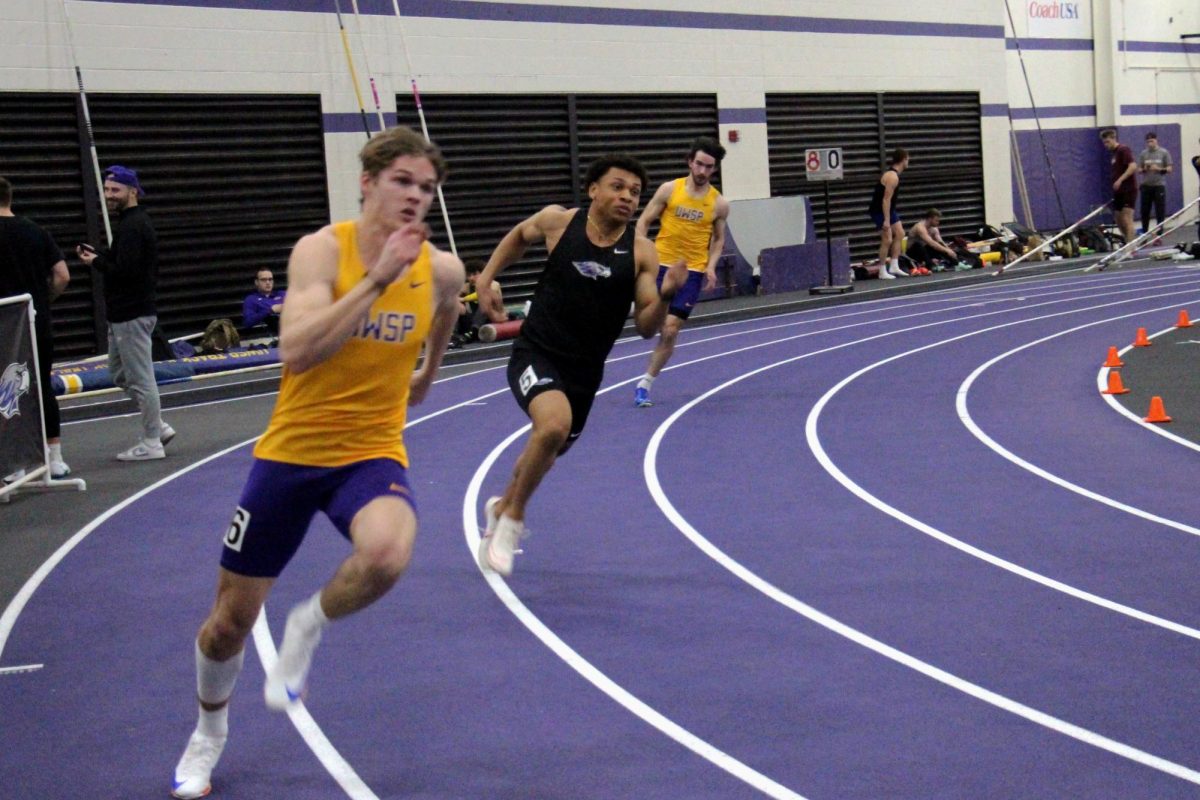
(546, 225)
(650, 304)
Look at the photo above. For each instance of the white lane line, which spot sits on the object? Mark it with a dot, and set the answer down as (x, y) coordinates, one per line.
(307, 727)
(964, 415)
(1000, 701)
(858, 637)
(814, 443)
(309, 730)
(584, 667)
(21, 669)
(1101, 382)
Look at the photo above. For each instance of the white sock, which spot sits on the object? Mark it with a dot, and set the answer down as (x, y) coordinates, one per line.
(55, 451)
(895, 263)
(646, 382)
(214, 684)
(214, 723)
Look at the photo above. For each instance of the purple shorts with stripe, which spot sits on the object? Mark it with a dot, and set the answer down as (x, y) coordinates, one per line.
(280, 500)
(687, 295)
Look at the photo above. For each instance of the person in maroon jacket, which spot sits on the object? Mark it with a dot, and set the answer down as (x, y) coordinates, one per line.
(1124, 185)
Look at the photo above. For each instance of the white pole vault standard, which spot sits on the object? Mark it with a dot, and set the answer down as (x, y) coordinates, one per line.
(367, 65)
(1126, 250)
(1052, 239)
(87, 123)
(412, 77)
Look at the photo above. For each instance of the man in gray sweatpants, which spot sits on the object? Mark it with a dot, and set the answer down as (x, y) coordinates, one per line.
(130, 270)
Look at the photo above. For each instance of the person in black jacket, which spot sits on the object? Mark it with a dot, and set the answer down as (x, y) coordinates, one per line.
(30, 262)
(130, 270)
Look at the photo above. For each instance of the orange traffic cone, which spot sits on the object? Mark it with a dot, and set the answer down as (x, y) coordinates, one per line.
(1115, 385)
(1113, 359)
(1157, 412)
(1183, 322)
(1142, 340)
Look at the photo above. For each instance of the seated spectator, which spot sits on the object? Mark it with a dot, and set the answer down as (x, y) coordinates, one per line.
(470, 315)
(263, 306)
(925, 243)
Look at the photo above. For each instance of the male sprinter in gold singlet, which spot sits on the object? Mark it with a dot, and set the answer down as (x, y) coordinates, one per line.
(691, 214)
(363, 297)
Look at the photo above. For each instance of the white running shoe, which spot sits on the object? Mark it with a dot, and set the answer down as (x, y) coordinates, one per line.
(497, 548)
(59, 469)
(490, 515)
(142, 451)
(285, 681)
(194, 770)
(885, 275)
(166, 433)
(895, 270)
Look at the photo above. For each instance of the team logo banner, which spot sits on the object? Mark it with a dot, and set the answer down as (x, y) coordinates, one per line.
(20, 409)
(1059, 20)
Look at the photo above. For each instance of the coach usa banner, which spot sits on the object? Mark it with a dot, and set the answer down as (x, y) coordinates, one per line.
(20, 413)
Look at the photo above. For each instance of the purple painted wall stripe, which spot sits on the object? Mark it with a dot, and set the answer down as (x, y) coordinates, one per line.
(1049, 44)
(351, 121)
(1164, 108)
(520, 12)
(993, 109)
(1046, 112)
(1159, 47)
(742, 116)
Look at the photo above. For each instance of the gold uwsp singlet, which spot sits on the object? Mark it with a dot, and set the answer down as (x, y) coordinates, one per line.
(352, 406)
(685, 227)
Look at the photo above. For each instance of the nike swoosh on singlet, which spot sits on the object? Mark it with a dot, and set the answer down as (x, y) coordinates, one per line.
(415, 285)
(620, 252)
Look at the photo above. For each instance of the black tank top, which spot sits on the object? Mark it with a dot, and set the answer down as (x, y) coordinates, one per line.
(582, 297)
(877, 198)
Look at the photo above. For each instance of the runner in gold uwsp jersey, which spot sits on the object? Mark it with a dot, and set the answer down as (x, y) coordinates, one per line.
(352, 406)
(691, 215)
(363, 297)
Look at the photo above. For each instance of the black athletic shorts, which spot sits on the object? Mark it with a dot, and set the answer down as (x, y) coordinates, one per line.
(1124, 199)
(532, 371)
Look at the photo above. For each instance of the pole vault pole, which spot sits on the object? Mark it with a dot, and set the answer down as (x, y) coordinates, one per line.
(412, 76)
(1126, 250)
(1053, 239)
(367, 64)
(87, 122)
(1036, 118)
(362, 109)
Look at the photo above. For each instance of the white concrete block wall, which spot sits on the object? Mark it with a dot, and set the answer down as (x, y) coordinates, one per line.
(126, 46)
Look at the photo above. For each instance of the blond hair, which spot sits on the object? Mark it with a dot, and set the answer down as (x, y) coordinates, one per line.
(392, 143)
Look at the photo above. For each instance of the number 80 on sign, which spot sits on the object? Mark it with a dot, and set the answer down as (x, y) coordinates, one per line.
(824, 164)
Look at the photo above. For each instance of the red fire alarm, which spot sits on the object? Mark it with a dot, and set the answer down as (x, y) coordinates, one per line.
(733, 135)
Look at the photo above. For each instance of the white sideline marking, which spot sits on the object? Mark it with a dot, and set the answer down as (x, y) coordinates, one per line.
(308, 728)
(21, 669)
(1061, 726)
(1102, 377)
(964, 415)
(582, 665)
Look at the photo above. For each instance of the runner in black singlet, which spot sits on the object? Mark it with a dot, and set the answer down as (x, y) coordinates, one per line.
(597, 266)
